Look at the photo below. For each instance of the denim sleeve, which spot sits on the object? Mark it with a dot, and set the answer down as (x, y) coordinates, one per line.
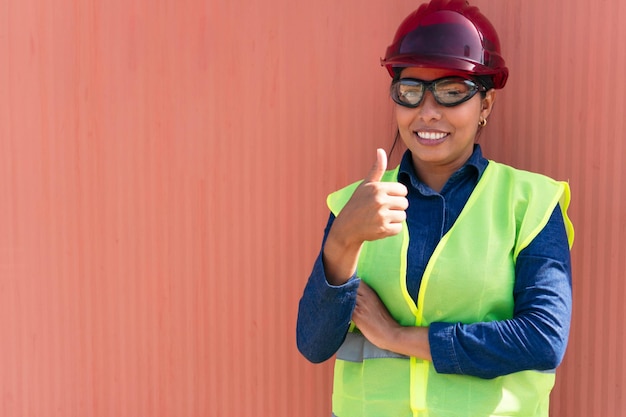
(536, 337)
(324, 312)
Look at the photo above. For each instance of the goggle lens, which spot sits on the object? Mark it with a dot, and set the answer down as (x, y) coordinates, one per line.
(449, 91)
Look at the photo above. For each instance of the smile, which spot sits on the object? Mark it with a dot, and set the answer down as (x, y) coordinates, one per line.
(431, 135)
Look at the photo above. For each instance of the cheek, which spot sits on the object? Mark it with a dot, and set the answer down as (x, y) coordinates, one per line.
(465, 118)
(404, 117)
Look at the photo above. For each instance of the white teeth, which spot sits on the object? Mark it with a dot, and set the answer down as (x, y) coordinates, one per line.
(431, 135)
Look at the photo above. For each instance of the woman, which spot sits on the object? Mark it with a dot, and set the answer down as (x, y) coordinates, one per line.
(443, 286)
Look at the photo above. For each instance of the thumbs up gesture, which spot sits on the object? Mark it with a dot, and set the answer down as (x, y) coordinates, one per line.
(376, 210)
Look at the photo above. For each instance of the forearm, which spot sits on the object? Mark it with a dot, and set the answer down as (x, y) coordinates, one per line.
(340, 260)
(536, 337)
(489, 350)
(324, 315)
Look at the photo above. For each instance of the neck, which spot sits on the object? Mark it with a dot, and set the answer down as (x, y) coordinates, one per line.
(435, 176)
(435, 181)
(436, 171)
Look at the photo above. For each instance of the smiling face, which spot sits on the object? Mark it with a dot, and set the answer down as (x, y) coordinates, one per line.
(440, 138)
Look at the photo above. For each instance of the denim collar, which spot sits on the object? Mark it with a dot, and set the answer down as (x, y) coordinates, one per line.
(474, 166)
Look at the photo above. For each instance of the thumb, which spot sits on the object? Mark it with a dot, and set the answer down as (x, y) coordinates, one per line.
(379, 167)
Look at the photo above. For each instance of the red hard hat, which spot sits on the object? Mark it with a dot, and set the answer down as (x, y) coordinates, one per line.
(448, 34)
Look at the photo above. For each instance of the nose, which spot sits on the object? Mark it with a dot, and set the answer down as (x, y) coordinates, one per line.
(429, 109)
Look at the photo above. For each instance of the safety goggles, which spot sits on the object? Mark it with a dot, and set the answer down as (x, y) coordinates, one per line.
(447, 91)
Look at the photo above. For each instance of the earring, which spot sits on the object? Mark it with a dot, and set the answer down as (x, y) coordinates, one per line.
(482, 123)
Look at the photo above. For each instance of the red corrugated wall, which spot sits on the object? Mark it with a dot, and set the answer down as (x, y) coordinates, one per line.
(163, 169)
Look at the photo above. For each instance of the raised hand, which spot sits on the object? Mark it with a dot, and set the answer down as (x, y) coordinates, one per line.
(376, 210)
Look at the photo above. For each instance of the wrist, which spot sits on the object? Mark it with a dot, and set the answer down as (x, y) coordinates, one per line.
(393, 338)
(410, 341)
(340, 260)
(344, 247)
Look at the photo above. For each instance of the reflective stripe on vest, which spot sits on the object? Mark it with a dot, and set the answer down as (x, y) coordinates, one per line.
(473, 265)
(356, 348)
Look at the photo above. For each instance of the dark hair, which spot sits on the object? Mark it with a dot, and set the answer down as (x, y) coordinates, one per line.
(486, 81)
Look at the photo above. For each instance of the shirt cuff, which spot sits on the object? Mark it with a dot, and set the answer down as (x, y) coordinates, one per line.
(332, 293)
(440, 338)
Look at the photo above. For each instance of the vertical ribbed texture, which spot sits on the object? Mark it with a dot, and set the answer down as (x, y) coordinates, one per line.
(163, 167)
(163, 170)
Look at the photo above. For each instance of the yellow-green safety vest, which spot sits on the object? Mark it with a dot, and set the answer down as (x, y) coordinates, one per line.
(468, 279)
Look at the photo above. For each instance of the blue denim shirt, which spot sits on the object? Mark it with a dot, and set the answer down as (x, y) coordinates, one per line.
(536, 336)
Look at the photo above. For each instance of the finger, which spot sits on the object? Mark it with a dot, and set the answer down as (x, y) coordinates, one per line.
(396, 216)
(394, 189)
(379, 167)
(397, 203)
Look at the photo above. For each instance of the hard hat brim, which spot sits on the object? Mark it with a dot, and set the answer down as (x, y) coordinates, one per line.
(455, 65)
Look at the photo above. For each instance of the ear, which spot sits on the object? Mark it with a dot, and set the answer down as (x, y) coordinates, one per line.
(487, 103)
